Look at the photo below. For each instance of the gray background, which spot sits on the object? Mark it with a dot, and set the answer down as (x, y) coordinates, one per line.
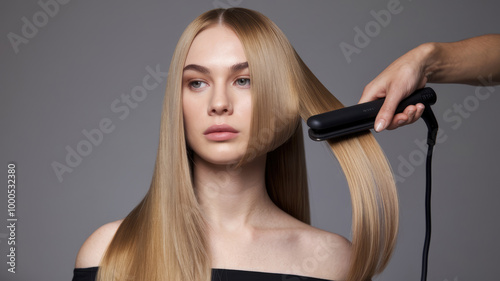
(65, 78)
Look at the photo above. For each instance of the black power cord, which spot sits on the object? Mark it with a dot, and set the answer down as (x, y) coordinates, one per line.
(432, 126)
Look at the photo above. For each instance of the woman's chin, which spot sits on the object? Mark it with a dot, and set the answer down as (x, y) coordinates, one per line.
(219, 160)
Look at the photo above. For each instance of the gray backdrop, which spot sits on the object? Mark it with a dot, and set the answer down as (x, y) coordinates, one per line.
(66, 66)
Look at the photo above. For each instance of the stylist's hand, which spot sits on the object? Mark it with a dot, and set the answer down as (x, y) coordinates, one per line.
(396, 82)
(455, 62)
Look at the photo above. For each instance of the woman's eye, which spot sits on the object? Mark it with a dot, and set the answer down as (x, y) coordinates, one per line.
(243, 82)
(196, 84)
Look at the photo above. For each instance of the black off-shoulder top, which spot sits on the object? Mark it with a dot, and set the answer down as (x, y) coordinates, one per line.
(218, 274)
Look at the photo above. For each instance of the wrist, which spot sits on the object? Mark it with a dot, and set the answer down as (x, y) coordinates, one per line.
(429, 54)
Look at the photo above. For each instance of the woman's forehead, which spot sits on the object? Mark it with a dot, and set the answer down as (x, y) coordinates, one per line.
(216, 46)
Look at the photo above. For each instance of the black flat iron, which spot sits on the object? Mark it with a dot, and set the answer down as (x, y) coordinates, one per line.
(361, 117)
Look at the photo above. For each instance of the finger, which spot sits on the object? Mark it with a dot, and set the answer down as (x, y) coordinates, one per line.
(386, 113)
(403, 118)
(420, 110)
(399, 120)
(411, 114)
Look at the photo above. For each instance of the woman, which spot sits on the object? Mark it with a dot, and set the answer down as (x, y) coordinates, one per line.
(228, 199)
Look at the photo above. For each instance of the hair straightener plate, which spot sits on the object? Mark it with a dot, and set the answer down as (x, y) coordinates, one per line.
(360, 117)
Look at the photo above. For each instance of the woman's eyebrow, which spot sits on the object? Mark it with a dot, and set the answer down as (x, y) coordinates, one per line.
(234, 68)
(196, 67)
(239, 66)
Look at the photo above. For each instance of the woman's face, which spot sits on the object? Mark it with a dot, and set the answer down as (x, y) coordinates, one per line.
(216, 97)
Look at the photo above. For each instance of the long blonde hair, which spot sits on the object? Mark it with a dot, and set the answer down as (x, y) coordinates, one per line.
(163, 237)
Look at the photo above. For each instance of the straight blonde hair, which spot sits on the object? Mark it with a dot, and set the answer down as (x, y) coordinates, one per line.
(163, 237)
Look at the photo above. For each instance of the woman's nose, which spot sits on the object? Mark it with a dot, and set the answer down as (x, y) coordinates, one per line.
(220, 102)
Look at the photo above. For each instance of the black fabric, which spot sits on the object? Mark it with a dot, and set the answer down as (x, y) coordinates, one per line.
(85, 274)
(89, 274)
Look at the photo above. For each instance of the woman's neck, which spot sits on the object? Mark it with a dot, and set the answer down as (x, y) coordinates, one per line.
(232, 199)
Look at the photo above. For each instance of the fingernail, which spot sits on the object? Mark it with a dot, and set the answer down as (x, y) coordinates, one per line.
(400, 122)
(380, 125)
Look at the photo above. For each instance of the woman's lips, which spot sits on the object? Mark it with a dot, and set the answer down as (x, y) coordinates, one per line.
(220, 132)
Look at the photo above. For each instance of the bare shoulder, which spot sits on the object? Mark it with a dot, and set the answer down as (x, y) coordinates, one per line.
(93, 248)
(326, 254)
(315, 252)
